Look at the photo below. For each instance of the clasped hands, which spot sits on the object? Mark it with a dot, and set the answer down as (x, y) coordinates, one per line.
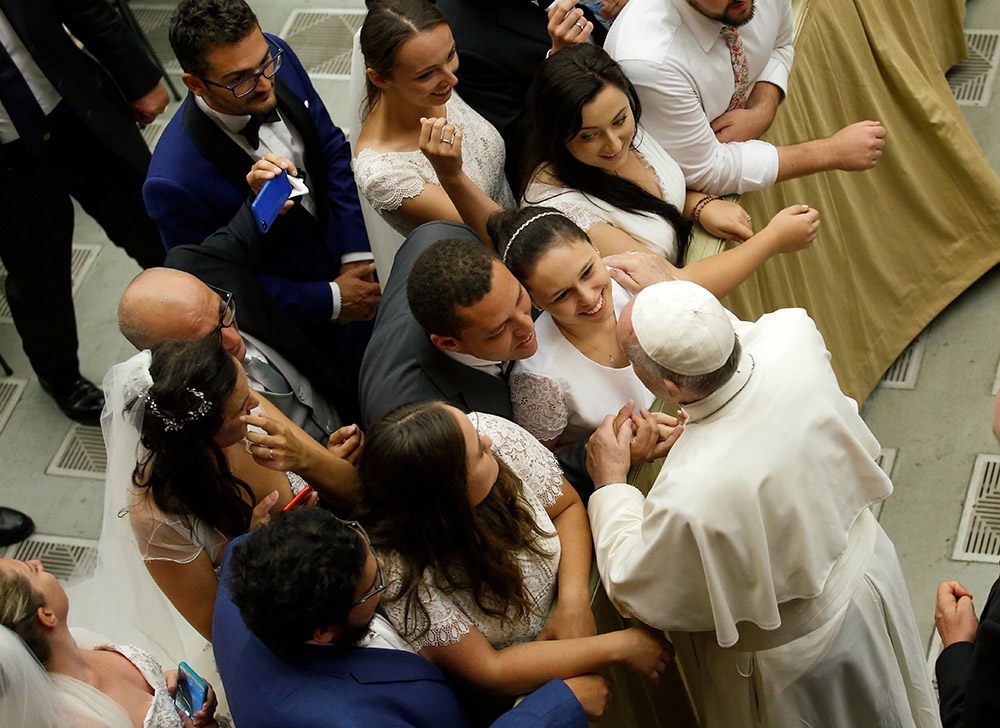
(629, 438)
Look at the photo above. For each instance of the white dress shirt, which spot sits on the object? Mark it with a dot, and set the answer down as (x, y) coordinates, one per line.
(285, 141)
(682, 70)
(43, 91)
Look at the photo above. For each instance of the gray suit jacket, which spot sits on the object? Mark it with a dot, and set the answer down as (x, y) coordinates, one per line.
(303, 405)
(402, 365)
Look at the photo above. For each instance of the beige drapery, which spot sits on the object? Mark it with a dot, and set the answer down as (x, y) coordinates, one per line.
(897, 243)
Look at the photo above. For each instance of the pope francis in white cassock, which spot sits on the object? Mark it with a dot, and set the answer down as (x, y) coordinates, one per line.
(755, 547)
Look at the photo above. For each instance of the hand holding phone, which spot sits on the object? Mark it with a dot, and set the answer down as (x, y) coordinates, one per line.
(191, 690)
(267, 206)
(303, 494)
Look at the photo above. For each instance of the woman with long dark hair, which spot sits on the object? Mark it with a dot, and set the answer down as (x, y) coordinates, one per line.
(587, 156)
(198, 478)
(479, 530)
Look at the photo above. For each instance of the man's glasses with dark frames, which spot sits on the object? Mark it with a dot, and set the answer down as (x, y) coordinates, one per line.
(246, 86)
(227, 311)
(380, 575)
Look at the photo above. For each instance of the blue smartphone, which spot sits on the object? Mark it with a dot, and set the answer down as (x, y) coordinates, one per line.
(270, 201)
(191, 690)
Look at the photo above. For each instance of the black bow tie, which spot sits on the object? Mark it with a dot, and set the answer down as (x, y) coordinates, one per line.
(252, 130)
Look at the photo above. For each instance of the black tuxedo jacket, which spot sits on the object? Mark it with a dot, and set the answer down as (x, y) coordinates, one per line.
(968, 673)
(227, 259)
(98, 91)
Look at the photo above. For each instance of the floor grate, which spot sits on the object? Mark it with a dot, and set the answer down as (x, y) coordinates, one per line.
(979, 531)
(81, 454)
(83, 258)
(972, 80)
(10, 395)
(151, 133)
(155, 23)
(885, 460)
(903, 372)
(68, 559)
(322, 40)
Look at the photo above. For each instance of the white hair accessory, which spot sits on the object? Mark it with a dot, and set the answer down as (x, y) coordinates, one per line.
(503, 255)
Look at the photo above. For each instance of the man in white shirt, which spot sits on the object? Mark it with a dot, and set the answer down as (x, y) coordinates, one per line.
(756, 547)
(300, 641)
(707, 98)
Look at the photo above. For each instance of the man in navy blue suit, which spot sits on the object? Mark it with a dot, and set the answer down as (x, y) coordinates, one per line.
(251, 99)
(300, 643)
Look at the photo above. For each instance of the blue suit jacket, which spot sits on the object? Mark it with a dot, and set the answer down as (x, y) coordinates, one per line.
(197, 182)
(314, 686)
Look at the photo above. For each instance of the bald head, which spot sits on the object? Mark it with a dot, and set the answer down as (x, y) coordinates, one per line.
(162, 304)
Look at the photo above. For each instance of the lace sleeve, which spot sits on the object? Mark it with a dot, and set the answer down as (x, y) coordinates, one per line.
(538, 404)
(448, 624)
(561, 199)
(530, 460)
(163, 537)
(384, 181)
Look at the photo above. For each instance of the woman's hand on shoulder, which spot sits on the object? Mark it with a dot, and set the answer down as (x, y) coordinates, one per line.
(280, 449)
(726, 220)
(346, 443)
(441, 143)
(794, 228)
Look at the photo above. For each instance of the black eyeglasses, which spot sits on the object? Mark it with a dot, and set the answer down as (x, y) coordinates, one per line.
(227, 311)
(245, 86)
(380, 585)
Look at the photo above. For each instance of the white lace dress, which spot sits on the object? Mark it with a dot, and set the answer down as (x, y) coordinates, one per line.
(453, 615)
(388, 178)
(559, 394)
(652, 230)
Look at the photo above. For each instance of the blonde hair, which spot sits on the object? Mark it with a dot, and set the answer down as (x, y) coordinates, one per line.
(19, 604)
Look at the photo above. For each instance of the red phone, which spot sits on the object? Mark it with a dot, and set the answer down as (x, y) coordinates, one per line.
(304, 493)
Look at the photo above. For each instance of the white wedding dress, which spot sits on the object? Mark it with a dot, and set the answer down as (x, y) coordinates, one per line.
(453, 615)
(560, 394)
(653, 231)
(387, 178)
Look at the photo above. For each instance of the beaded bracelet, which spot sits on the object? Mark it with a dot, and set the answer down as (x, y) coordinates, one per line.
(696, 212)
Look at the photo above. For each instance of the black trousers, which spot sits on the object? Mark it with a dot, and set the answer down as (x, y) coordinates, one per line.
(36, 231)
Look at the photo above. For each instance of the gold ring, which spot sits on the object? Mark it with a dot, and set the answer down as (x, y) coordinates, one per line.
(578, 25)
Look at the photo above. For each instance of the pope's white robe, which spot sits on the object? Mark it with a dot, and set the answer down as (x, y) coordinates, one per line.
(757, 551)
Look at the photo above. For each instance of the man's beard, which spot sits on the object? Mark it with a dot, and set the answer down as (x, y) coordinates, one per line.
(725, 17)
(352, 636)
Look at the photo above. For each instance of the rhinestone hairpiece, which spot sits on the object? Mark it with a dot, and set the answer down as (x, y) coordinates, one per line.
(503, 256)
(171, 424)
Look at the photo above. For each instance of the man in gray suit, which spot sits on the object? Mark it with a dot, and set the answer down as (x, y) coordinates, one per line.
(161, 304)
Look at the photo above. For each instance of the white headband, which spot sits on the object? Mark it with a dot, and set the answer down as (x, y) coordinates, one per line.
(503, 256)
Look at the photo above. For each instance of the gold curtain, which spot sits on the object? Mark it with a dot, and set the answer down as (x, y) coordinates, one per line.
(897, 243)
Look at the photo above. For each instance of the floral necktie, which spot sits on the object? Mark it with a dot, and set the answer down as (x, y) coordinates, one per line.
(740, 71)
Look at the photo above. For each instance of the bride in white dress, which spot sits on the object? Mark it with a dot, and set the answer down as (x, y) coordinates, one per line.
(423, 154)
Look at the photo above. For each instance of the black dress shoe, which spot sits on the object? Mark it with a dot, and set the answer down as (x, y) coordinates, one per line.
(79, 399)
(14, 526)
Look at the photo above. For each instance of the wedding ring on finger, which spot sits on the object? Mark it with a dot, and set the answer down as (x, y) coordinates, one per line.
(749, 218)
(454, 129)
(270, 453)
(579, 25)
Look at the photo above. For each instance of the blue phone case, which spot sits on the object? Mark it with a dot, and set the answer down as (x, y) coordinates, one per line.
(191, 690)
(270, 201)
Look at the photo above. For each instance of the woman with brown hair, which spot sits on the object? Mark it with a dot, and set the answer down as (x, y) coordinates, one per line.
(479, 530)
